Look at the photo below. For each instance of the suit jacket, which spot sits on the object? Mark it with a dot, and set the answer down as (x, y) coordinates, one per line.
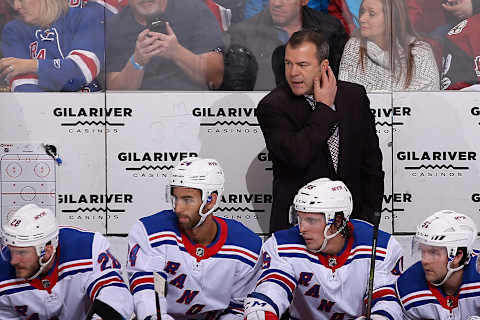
(296, 138)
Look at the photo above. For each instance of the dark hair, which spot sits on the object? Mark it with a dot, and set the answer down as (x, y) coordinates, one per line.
(341, 221)
(398, 36)
(314, 36)
(465, 256)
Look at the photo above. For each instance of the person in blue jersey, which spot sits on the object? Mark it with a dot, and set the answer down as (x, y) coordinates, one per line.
(319, 268)
(445, 283)
(53, 47)
(209, 264)
(47, 272)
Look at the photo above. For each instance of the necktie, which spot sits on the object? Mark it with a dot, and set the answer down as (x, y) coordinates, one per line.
(333, 140)
(334, 145)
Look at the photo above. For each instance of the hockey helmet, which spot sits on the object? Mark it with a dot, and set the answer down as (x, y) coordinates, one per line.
(448, 229)
(328, 198)
(31, 226)
(205, 175)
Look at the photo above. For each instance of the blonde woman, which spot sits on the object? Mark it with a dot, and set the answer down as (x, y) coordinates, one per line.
(385, 54)
(51, 47)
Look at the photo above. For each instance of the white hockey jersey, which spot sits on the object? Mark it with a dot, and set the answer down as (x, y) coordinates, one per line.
(84, 270)
(317, 286)
(202, 282)
(421, 300)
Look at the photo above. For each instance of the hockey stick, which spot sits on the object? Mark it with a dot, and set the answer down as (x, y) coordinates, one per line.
(160, 288)
(371, 276)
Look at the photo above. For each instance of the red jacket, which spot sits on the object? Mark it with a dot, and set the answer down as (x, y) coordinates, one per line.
(339, 9)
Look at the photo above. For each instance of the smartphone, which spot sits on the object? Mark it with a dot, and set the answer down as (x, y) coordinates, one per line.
(158, 25)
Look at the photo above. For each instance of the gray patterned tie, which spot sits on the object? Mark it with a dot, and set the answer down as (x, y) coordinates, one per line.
(334, 145)
(333, 141)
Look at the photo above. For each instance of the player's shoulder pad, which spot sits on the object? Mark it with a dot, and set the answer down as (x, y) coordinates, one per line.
(75, 244)
(239, 235)
(412, 280)
(289, 236)
(363, 233)
(165, 220)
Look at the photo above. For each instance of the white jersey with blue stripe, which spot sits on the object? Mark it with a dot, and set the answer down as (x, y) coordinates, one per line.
(202, 282)
(318, 286)
(84, 270)
(421, 300)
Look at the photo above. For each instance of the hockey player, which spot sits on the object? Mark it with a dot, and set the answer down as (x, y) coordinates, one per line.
(319, 268)
(50, 273)
(209, 263)
(445, 283)
(53, 47)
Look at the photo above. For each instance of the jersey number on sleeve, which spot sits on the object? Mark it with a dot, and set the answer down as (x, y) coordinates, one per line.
(108, 261)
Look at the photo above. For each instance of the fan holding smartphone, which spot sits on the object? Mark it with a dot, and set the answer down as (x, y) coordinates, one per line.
(163, 45)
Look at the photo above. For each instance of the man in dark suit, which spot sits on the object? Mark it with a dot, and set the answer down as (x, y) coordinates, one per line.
(317, 127)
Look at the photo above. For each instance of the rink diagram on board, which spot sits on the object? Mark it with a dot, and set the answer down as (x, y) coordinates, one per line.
(26, 178)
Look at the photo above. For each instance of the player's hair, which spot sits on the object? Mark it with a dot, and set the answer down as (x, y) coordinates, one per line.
(314, 36)
(51, 10)
(339, 221)
(465, 258)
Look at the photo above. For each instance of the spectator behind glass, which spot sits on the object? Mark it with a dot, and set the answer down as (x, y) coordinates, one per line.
(382, 45)
(51, 47)
(179, 58)
(428, 15)
(253, 7)
(270, 30)
(460, 44)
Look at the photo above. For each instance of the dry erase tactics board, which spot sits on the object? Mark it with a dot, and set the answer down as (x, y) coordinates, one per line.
(27, 176)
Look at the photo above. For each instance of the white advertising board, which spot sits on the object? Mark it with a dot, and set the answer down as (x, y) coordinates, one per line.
(118, 149)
